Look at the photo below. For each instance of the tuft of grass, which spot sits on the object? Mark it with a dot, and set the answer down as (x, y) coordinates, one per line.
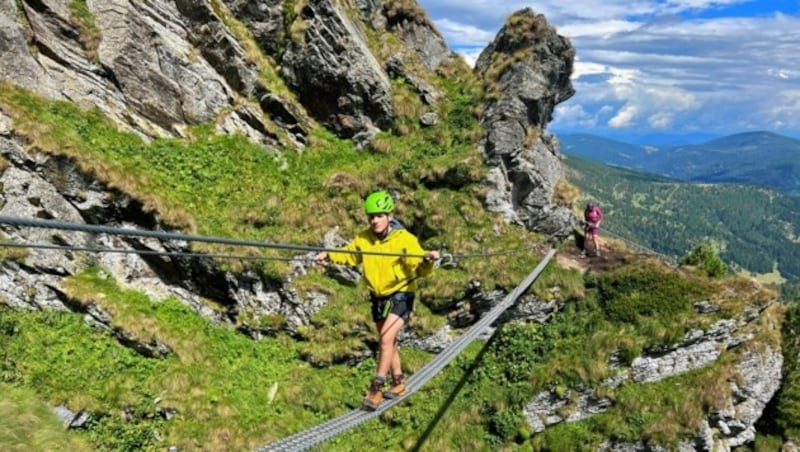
(90, 35)
(13, 253)
(565, 194)
(401, 11)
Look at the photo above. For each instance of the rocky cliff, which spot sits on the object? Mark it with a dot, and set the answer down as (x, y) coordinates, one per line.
(157, 68)
(274, 72)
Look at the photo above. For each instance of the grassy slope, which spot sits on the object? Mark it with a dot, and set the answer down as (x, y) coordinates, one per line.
(226, 186)
(229, 392)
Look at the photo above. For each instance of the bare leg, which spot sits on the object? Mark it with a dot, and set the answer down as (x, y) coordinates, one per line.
(389, 356)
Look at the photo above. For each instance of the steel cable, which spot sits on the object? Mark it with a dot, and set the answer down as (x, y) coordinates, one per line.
(89, 249)
(98, 229)
(449, 259)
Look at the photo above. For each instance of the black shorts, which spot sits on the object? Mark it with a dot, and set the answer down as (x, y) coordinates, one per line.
(399, 303)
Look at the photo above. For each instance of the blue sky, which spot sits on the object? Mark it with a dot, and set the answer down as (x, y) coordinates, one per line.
(645, 68)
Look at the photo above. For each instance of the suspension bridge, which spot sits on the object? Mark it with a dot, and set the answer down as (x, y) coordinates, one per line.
(315, 435)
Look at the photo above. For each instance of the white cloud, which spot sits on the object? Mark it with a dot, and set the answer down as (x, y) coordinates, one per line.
(464, 34)
(575, 114)
(780, 73)
(582, 69)
(624, 118)
(597, 29)
(658, 64)
(661, 120)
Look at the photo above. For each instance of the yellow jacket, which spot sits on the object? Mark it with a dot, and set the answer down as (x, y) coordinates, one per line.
(386, 275)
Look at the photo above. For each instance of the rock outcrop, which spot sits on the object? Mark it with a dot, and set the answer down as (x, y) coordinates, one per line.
(138, 63)
(756, 380)
(42, 186)
(524, 159)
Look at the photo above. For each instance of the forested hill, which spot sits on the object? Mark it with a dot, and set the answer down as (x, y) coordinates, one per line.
(754, 228)
(762, 159)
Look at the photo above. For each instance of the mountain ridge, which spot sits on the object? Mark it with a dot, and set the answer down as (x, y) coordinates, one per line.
(758, 158)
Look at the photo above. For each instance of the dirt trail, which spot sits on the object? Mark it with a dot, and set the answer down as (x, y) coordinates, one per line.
(612, 255)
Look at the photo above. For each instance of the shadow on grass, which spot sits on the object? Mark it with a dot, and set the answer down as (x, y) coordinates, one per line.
(446, 405)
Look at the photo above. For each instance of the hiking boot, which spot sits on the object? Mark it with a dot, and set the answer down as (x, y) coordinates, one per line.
(374, 395)
(398, 388)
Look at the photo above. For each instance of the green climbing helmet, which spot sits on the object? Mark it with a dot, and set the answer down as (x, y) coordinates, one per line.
(379, 202)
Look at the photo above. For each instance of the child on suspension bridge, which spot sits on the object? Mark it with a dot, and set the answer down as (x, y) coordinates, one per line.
(390, 275)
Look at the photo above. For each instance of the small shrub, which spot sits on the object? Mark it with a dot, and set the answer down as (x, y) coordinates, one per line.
(634, 292)
(706, 258)
(139, 432)
(565, 194)
(517, 349)
(505, 424)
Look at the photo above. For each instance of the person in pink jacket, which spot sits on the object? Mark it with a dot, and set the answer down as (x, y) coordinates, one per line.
(592, 217)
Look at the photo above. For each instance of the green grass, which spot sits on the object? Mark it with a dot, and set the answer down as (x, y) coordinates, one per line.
(216, 380)
(228, 391)
(29, 424)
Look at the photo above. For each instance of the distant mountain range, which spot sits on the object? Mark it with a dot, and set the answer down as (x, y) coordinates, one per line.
(755, 158)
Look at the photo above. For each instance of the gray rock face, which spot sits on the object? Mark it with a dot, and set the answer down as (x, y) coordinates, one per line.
(264, 19)
(524, 159)
(335, 74)
(153, 66)
(758, 379)
(415, 30)
(219, 47)
(47, 187)
(698, 350)
(159, 78)
(18, 62)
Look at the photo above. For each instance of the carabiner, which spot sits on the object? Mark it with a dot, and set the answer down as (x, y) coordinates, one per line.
(446, 260)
